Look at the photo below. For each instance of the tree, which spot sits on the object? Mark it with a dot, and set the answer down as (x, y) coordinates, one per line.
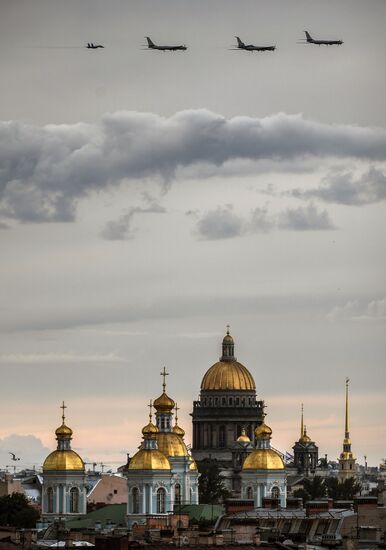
(342, 490)
(15, 511)
(211, 483)
(313, 489)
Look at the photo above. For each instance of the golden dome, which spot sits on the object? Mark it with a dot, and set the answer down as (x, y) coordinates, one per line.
(243, 438)
(193, 465)
(171, 444)
(178, 430)
(228, 339)
(149, 429)
(63, 460)
(263, 431)
(164, 403)
(347, 455)
(263, 459)
(305, 438)
(149, 459)
(63, 431)
(228, 375)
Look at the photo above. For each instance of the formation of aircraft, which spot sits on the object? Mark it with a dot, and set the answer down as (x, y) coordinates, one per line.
(240, 45)
(252, 47)
(91, 46)
(152, 46)
(310, 40)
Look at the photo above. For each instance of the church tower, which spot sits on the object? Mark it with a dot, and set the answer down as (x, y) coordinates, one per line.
(64, 479)
(305, 451)
(347, 466)
(227, 408)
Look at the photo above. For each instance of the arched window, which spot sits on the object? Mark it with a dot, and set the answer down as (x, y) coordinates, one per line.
(74, 501)
(177, 494)
(275, 493)
(50, 500)
(161, 501)
(135, 500)
(249, 493)
(221, 436)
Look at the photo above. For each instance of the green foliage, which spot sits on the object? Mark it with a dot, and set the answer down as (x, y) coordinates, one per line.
(211, 483)
(342, 490)
(314, 488)
(15, 511)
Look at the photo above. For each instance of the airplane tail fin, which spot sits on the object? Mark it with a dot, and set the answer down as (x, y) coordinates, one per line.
(150, 43)
(308, 36)
(240, 43)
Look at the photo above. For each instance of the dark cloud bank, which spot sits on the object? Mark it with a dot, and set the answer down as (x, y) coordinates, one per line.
(45, 170)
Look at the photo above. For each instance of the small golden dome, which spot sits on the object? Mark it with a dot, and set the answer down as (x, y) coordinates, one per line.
(63, 431)
(164, 403)
(178, 430)
(171, 444)
(243, 438)
(193, 465)
(263, 459)
(305, 438)
(149, 429)
(228, 375)
(149, 459)
(228, 339)
(263, 431)
(63, 460)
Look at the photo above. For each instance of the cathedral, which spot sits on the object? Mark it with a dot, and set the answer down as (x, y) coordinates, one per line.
(162, 473)
(305, 452)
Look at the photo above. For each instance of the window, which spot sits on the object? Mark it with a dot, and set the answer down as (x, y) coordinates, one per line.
(249, 493)
(50, 500)
(177, 494)
(275, 493)
(74, 501)
(115, 492)
(161, 501)
(231, 401)
(221, 436)
(216, 400)
(223, 401)
(135, 500)
(237, 400)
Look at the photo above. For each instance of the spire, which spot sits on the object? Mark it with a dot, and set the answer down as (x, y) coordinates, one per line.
(63, 433)
(346, 423)
(228, 347)
(302, 423)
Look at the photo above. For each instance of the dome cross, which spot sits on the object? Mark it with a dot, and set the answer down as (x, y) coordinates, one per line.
(63, 407)
(164, 374)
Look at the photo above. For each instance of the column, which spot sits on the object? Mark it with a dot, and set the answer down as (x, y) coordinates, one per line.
(144, 499)
(56, 508)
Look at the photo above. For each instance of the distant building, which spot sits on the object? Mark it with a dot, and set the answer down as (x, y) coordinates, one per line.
(347, 460)
(108, 489)
(305, 451)
(64, 479)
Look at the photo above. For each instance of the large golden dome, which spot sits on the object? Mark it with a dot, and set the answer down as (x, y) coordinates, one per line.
(171, 444)
(226, 375)
(63, 460)
(149, 459)
(263, 459)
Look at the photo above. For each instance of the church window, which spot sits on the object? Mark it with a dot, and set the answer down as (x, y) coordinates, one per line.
(210, 401)
(237, 401)
(161, 501)
(135, 500)
(216, 400)
(221, 436)
(177, 494)
(224, 401)
(275, 493)
(50, 500)
(231, 401)
(249, 493)
(74, 501)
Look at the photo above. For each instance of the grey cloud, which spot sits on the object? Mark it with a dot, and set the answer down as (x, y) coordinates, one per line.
(343, 188)
(45, 170)
(307, 218)
(224, 223)
(122, 229)
(356, 310)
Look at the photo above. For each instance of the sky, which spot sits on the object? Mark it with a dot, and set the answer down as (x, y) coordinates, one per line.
(148, 199)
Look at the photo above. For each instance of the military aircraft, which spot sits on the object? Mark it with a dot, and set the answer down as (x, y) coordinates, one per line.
(152, 46)
(310, 40)
(91, 46)
(252, 48)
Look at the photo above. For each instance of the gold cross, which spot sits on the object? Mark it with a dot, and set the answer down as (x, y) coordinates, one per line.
(150, 405)
(164, 374)
(176, 408)
(63, 406)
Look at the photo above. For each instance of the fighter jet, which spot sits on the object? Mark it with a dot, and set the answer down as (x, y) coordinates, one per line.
(152, 46)
(91, 46)
(252, 48)
(310, 40)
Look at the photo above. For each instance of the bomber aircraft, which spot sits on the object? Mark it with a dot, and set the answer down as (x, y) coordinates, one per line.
(252, 48)
(91, 46)
(310, 40)
(152, 46)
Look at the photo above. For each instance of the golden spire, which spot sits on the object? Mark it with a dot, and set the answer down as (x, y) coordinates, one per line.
(164, 374)
(346, 424)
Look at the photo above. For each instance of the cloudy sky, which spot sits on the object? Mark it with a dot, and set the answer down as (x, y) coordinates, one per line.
(147, 199)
